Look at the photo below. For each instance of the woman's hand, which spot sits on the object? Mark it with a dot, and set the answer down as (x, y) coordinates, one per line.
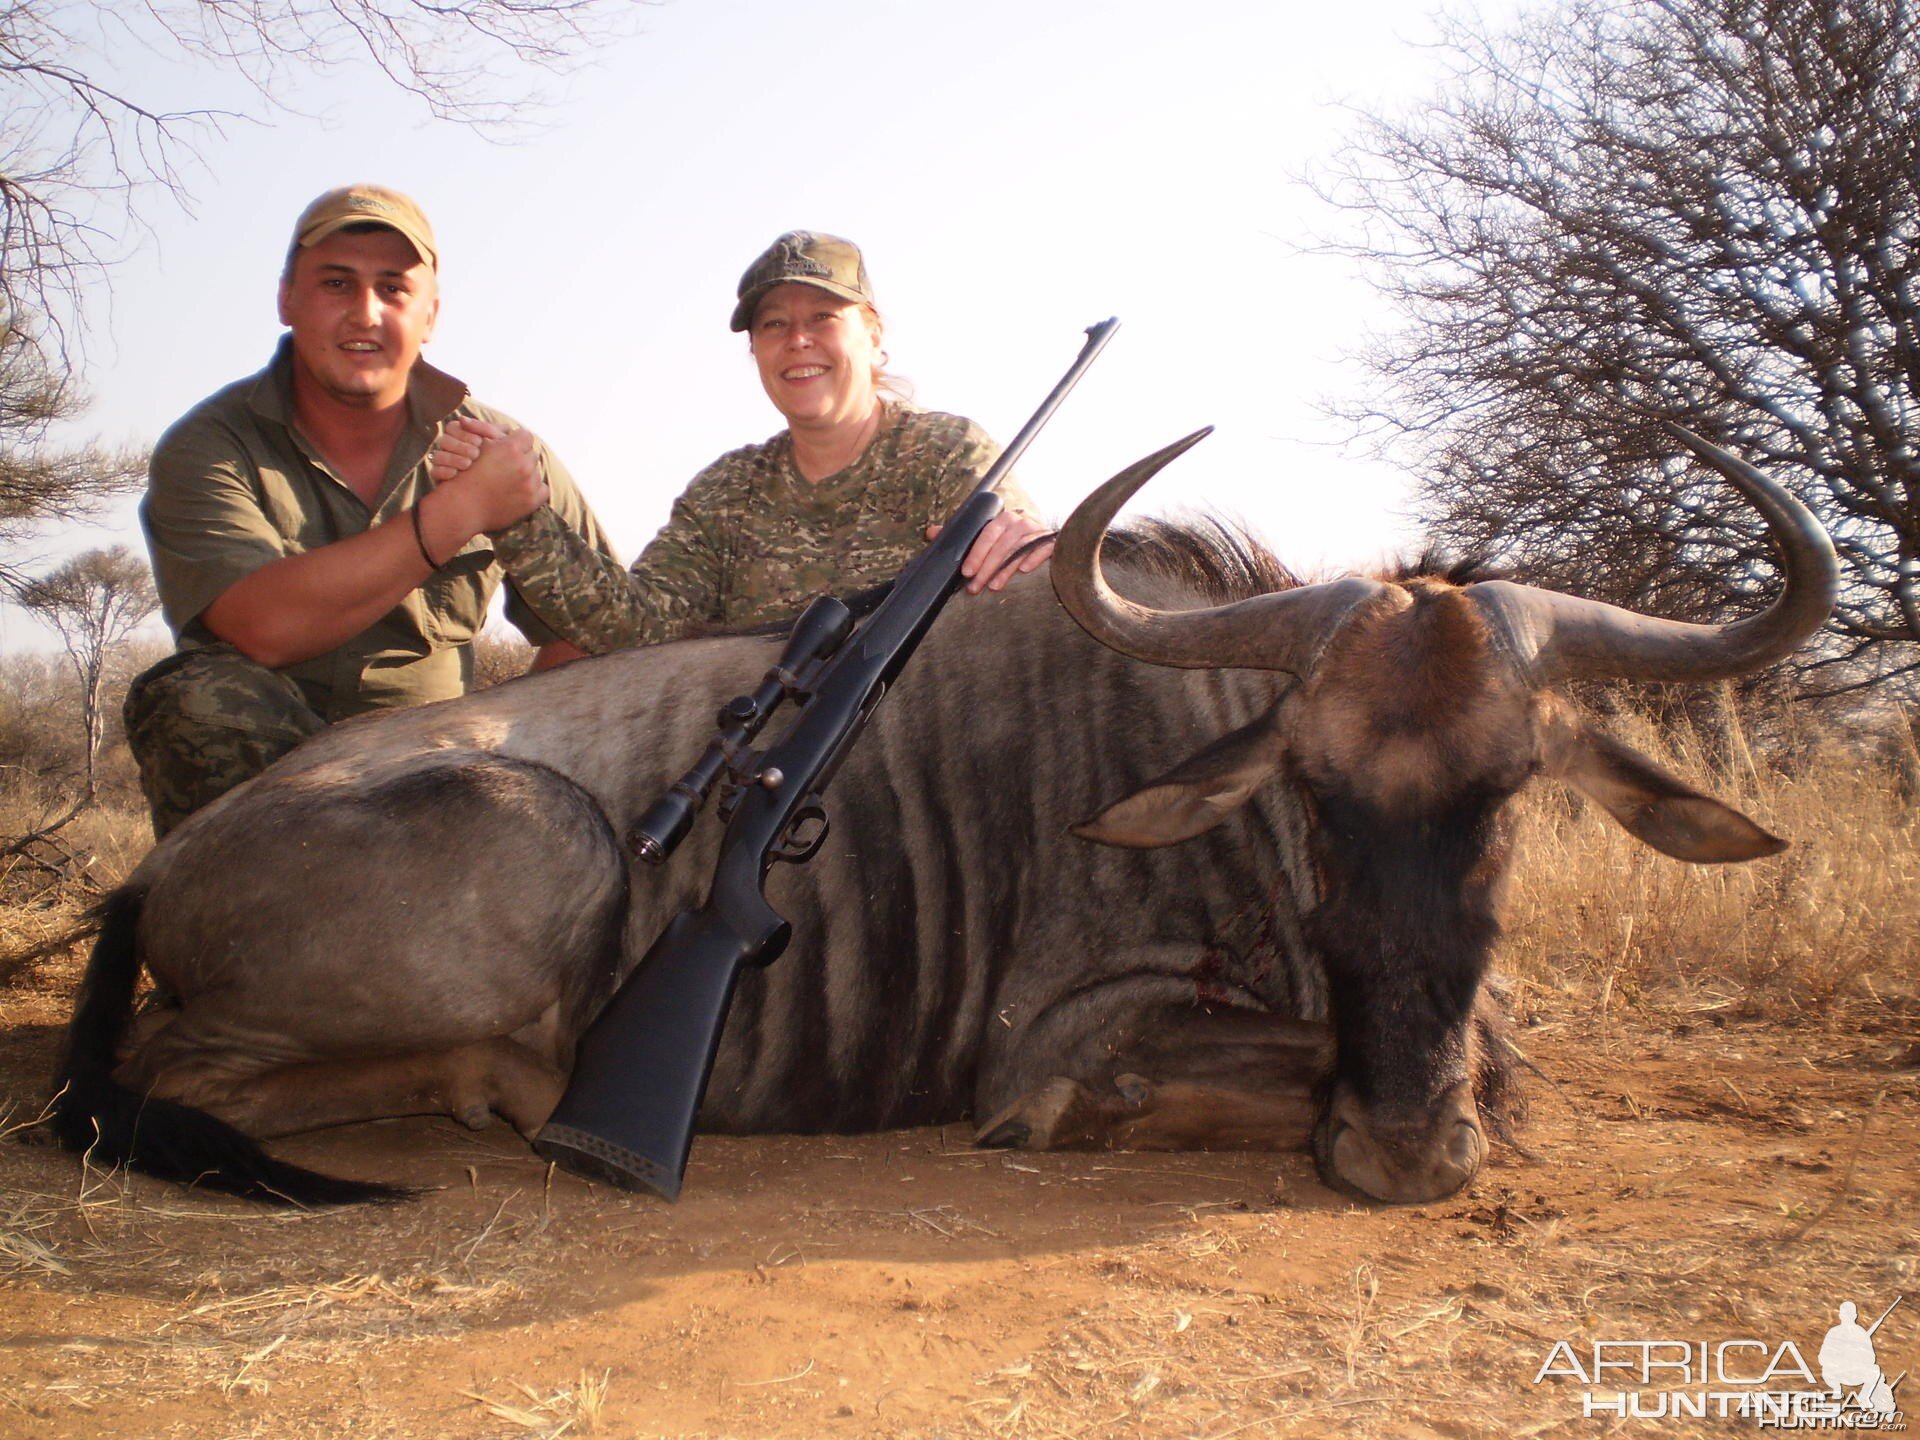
(458, 445)
(986, 567)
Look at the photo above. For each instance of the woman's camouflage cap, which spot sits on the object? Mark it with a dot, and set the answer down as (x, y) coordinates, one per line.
(825, 262)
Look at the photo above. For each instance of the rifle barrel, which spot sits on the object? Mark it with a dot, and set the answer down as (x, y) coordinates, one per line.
(1097, 338)
(1884, 1313)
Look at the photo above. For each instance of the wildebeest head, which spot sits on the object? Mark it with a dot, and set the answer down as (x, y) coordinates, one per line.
(1421, 707)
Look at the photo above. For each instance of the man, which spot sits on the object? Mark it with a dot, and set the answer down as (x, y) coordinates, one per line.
(308, 566)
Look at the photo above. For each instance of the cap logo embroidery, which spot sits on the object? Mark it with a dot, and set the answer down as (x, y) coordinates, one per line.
(794, 259)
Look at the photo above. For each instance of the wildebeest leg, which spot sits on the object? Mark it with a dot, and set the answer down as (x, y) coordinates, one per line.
(1136, 1113)
(469, 1082)
(1185, 1080)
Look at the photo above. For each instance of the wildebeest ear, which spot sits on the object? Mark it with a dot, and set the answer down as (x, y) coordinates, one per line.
(1194, 796)
(1652, 805)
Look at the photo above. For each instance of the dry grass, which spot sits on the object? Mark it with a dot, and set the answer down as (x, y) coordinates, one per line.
(567, 1410)
(1837, 914)
(44, 893)
(85, 857)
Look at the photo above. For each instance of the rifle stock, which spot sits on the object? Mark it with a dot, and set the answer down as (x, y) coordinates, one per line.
(641, 1070)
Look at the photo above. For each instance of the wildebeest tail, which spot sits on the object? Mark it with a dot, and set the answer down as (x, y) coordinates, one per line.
(95, 1115)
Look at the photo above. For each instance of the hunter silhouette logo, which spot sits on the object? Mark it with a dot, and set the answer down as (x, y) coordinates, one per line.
(1766, 1381)
(1848, 1362)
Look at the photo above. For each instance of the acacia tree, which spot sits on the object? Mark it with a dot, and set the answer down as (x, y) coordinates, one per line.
(1704, 210)
(94, 601)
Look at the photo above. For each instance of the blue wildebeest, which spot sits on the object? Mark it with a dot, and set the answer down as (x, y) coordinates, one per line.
(419, 912)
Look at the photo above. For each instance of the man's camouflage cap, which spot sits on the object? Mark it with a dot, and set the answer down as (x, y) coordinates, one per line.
(825, 262)
(366, 205)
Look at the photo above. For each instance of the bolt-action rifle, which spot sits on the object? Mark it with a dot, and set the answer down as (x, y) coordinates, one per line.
(641, 1068)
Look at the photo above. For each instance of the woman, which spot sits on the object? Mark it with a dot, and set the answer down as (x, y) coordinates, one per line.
(838, 501)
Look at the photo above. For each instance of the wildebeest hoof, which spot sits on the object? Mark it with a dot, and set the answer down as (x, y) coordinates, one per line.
(1007, 1135)
(510, 1081)
(1060, 1113)
(1136, 1090)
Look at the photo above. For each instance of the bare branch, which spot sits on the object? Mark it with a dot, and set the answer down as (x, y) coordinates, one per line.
(82, 155)
(41, 484)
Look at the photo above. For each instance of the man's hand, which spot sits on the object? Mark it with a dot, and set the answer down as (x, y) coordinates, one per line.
(492, 475)
(986, 567)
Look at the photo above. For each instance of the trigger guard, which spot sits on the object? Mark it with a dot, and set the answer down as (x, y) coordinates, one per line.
(795, 851)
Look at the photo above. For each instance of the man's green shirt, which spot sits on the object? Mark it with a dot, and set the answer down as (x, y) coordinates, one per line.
(234, 486)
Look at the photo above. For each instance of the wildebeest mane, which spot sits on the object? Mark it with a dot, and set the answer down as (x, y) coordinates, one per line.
(1219, 559)
(1435, 563)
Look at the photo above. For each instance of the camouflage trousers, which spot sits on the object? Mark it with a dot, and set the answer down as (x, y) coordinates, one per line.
(204, 720)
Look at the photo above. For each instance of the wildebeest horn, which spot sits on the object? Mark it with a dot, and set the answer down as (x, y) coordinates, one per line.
(1564, 637)
(1269, 632)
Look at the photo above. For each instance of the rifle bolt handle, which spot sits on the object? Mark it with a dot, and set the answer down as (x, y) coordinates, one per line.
(772, 778)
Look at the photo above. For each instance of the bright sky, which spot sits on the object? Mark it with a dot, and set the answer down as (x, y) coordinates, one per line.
(1014, 170)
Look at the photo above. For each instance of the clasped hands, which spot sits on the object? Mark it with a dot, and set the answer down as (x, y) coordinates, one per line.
(494, 471)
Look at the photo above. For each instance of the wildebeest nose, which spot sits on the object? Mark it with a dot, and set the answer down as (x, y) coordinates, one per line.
(1405, 1162)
